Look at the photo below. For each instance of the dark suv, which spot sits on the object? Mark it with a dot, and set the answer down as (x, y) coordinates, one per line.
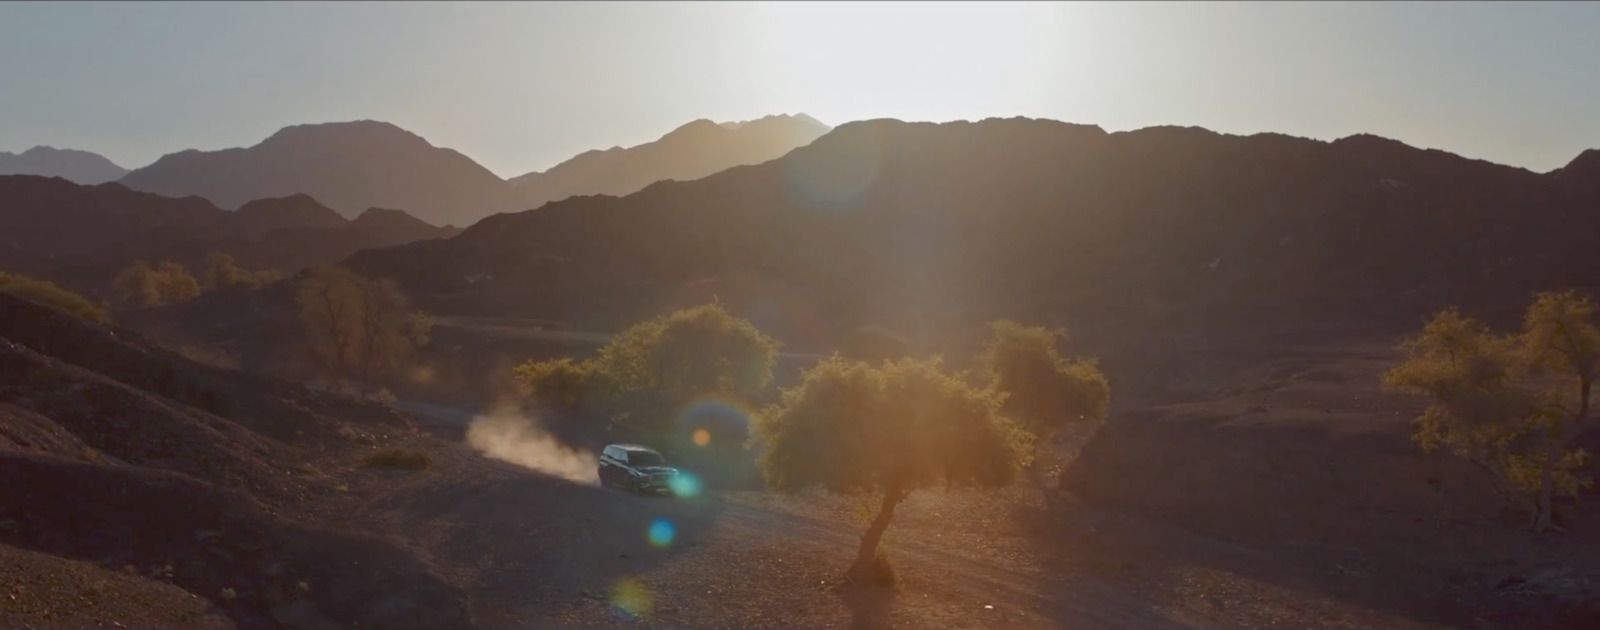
(636, 469)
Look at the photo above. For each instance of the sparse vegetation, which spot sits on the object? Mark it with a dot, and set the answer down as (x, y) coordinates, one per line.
(888, 431)
(559, 384)
(222, 272)
(1512, 404)
(1044, 392)
(398, 458)
(46, 292)
(362, 329)
(655, 367)
(142, 286)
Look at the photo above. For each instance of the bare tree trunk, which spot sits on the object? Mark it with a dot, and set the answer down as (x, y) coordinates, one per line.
(1545, 516)
(1542, 513)
(869, 540)
(336, 333)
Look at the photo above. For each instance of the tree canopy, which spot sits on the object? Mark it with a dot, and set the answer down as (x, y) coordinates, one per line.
(222, 272)
(647, 373)
(140, 285)
(1044, 391)
(849, 427)
(1512, 404)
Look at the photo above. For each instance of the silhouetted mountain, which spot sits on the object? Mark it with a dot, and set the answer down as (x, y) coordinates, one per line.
(80, 235)
(82, 167)
(934, 228)
(397, 226)
(350, 166)
(260, 217)
(1582, 173)
(693, 151)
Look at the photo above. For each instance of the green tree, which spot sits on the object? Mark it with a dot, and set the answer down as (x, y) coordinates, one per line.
(139, 285)
(559, 384)
(1502, 401)
(46, 292)
(1045, 392)
(222, 272)
(361, 329)
(650, 371)
(887, 431)
(174, 282)
(1562, 346)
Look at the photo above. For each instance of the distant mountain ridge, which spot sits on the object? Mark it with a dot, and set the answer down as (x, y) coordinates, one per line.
(80, 235)
(352, 166)
(82, 167)
(936, 228)
(347, 166)
(692, 151)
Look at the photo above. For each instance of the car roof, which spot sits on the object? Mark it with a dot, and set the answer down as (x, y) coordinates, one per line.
(634, 447)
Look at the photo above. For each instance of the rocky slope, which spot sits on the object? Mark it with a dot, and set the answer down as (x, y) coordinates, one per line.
(199, 485)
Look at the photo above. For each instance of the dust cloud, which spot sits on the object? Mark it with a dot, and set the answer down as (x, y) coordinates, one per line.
(510, 435)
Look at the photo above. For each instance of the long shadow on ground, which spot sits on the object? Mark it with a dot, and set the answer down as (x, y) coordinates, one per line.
(1156, 547)
(534, 548)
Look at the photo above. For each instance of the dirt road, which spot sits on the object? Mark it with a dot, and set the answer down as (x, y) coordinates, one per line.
(536, 551)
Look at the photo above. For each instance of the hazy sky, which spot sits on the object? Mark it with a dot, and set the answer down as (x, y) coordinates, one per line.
(521, 86)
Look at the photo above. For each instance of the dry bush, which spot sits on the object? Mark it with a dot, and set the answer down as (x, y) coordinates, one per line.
(143, 286)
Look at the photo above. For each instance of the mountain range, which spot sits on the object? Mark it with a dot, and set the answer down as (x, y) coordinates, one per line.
(351, 166)
(81, 235)
(933, 228)
(695, 150)
(82, 167)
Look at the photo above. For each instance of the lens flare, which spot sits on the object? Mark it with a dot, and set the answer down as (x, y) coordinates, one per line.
(685, 485)
(662, 532)
(718, 419)
(631, 598)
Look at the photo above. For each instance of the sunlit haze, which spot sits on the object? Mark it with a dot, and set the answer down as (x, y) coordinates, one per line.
(522, 86)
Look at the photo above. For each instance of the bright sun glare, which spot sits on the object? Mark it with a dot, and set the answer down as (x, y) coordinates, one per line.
(894, 52)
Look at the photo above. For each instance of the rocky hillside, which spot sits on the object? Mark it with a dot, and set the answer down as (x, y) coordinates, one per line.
(82, 167)
(156, 492)
(933, 228)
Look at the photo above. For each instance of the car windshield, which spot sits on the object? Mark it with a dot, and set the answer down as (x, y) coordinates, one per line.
(645, 458)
